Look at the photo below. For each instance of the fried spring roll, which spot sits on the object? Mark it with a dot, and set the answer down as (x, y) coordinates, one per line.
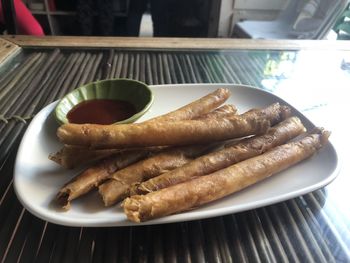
(197, 107)
(221, 112)
(117, 187)
(209, 163)
(202, 190)
(72, 156)
(169, 133)
(95, 175)
(274, 112)
(162, 133)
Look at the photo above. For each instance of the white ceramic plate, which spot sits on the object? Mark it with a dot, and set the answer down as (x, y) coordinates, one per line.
(37, 179)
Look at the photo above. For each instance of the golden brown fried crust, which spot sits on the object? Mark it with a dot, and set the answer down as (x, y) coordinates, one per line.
(117, 187)
(95, 175)
(161, 133)
(211, 187)
(221, 112)
(197, 107)
(73, 156)
(274, 112)
(234, 153)
(171, 133)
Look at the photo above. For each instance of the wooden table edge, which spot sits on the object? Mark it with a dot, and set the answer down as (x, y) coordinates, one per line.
(7, 50)
(172, 43)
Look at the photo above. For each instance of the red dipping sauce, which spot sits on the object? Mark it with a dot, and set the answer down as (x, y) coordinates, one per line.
(101, 111)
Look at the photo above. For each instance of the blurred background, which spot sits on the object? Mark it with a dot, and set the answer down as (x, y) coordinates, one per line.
(267, 19)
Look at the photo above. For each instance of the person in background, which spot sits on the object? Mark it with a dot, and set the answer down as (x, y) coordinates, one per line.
(160, 16)
(136, 10)
(171, 18)
(26, 23)
(95, 17)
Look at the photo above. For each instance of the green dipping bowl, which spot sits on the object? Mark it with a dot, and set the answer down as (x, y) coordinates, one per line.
(135, 92)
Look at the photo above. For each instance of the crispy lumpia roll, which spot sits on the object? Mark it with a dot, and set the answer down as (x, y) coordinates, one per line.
(171, 133)
(197, 107)
(201, 190)
(72, 156)
(160, 133)
(117, 186)
(221, 112)
(95, 175)
(209, 163)
(274, 112)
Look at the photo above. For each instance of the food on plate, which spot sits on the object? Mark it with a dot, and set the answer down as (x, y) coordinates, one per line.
(160, 133)
(221, 112)
(196, 154)
(70, 156)
(197, 108)
(274, 113)
(232, 154)
(171, 133)
(117, 186)
(204, 189)
(93, 176)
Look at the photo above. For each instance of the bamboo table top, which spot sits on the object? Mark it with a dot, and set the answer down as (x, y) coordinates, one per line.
(314, 76)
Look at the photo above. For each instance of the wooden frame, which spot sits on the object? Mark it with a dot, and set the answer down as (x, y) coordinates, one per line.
(7, 50)
(11, 45)
(171, 43)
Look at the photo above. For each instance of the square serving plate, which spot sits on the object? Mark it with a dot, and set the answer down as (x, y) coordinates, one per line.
(37, 179)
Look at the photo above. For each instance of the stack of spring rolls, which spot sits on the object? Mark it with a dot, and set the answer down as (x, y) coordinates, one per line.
(185, 158)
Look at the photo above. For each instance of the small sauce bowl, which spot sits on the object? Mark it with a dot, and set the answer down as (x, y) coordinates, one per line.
(132, 98)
